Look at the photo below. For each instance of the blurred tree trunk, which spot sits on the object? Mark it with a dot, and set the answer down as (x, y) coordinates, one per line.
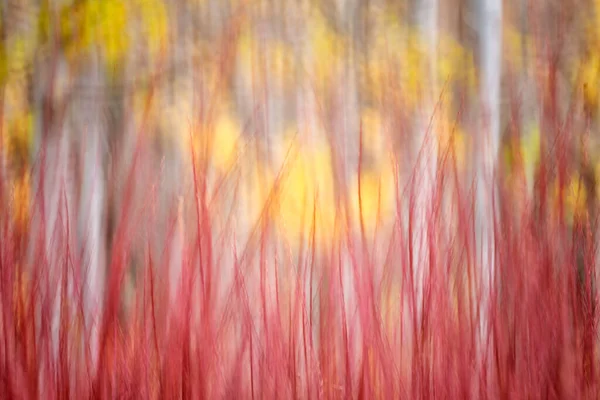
(425, 151)
(490, 17)
(52, 187)
(91, 222)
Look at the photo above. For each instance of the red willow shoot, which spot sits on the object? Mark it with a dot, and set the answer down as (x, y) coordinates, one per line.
(341, 324)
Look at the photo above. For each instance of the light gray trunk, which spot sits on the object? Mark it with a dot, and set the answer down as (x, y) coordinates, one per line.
(491, 68)
(91, 212)
(426, 152)
(51, 175)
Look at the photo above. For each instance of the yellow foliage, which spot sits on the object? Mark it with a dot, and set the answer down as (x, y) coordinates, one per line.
(399, 55)
(593, 25)
(451, 139)
(113, 30)
(280, 62)
(16, 54)
(91, 23)
(515, 45)
(375, 202)
(521, 156)
(219, 142)
(15, 96)
(247, 51)
(277, 56)
(19, 139)
(597, 174)
(455, 63)
(257, 189)
(155, 23)
(104, 24)
(575, 197)
(372, 131)
(377, 182)
(530, 148)
(21, 53)
(306, 189)
(328, 49)
(414, 59)
(21, 197)
(590, 77)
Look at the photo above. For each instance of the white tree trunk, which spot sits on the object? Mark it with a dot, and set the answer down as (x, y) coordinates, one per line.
(426, 151)
(491, 68)
(91, 213)
(53, 206)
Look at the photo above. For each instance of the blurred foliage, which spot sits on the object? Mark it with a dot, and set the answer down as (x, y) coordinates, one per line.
(218, 142)
(306, 191)
(274, 55)
(85, 25)
(517, 46)
(523, 154)
(451, 138)
(397, 55)
(21, 198)
(372, 193)
(271, 53)
(590, 80)
(574, 198)
(328, 51)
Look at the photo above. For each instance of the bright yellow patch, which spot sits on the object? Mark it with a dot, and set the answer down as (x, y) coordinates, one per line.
(276, 56)
(451, 140)
(455, 63)
(574, 197)
(21, 200)
(590, 77)
(375, 202)
(399, 56)
(219, 142)
(516, 44)
(155, 22)
(372, 131)
(256, 191)
(306, 189)
(328, 50)
(18, 139)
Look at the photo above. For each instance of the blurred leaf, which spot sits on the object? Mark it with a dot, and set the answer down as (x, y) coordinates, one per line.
(227, 134)
(455, 63)
(113, 30)
(90, 23)
(515, 45)
(574, 197)
(590, 78)
(155, 23)
(44, 21)
(306, 190)
(374, 202)
(277, 56)
(18, 140)
(328, 49)
(530, 147)
(21, 197)
(451, 139)
(372, 131)
(217, 144)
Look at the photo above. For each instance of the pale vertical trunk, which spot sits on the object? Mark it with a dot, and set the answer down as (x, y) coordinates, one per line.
(491, 68)
(52, 181)
(426, 151)
(346, 137)
(91, 213)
